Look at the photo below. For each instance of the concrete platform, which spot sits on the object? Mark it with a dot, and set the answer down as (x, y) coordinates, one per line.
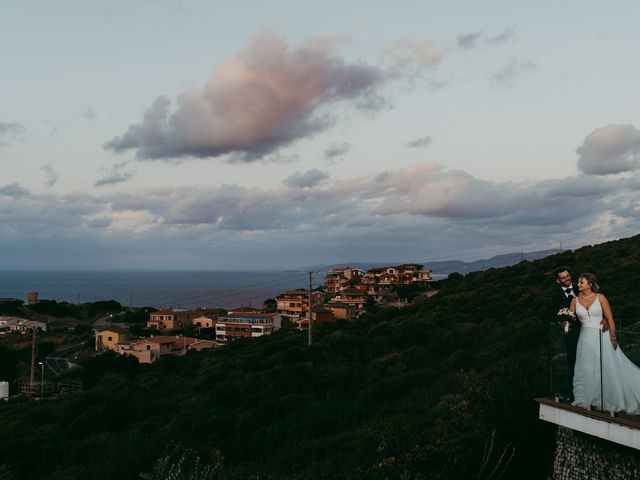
(622, 429)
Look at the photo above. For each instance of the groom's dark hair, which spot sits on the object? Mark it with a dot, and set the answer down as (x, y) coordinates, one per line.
(559, 270)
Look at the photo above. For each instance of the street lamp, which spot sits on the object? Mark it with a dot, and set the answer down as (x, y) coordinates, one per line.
(41, 379)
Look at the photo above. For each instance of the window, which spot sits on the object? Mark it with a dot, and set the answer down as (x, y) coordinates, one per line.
(109, 339)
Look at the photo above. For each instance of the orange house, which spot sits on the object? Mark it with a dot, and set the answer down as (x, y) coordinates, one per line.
(108, 339)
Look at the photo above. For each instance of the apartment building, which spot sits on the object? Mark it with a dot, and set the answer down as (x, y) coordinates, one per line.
(342, 278)
(405, 274)
(295, 303)
(177, 319)
(354, 298)
(246, 324)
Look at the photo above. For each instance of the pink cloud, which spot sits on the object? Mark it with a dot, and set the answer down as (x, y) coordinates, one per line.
(265, 97)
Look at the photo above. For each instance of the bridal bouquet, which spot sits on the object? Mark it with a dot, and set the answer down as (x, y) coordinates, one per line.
(567, 316)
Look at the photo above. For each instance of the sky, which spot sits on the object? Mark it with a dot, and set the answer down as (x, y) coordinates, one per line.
(242, 135)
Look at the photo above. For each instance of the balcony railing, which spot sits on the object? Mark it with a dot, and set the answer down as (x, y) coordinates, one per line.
(563, 354)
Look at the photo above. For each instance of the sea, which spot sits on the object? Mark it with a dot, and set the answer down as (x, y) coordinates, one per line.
(158, 289)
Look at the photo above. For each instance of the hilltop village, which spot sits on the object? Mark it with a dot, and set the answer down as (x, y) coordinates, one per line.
(346, 294)
(148, 334)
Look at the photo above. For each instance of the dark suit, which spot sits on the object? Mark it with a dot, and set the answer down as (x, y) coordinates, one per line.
(560, 300)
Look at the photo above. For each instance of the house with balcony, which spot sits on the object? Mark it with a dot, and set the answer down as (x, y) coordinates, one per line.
(294, 304)
(354, 298)
(177, 319)
(342, 278)
(379, 279)
(246, 324)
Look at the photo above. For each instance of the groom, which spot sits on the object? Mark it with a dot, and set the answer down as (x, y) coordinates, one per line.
(563, 294)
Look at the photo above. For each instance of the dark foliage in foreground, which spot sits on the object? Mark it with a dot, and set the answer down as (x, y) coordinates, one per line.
(413, 393)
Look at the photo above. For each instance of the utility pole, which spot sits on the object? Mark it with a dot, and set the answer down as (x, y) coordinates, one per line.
(33, 362)
(560, 247)
(310, 337)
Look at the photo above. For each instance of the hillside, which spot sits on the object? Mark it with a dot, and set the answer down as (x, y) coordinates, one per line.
(445, 267)
(413, 393)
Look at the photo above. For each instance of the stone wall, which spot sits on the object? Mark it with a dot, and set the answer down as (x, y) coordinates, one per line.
(580, 456)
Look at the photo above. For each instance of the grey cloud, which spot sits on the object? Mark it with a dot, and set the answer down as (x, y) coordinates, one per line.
(610, 150)
(89, 114)
(435, 84)
(422, 211)
(336, 151)
(266, 97)
(468, 40)
(420, 142)
(308, 179)
(34, 214)
(503, 37)
(116, 174)
(10, 132)
(103, 222)
(13, 190)
(276, 157)
(148, 134)
(420, 191)
(51, 174)
(505, 77)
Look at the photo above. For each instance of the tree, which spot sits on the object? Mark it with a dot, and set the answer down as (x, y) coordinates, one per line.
(270, 305)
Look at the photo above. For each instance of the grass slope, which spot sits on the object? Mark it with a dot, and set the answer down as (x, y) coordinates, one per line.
(414, 393)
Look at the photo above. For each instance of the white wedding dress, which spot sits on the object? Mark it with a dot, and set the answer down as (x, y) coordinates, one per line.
(620, 377)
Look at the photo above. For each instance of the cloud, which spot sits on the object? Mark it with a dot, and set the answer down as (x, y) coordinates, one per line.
(609, 150)
(503, 37)
(51, 174)
(336, 151)
(468, 41)
(116, 174)
(89, 114)
(264, 98)
(411, 56)
(10, 132)
(310, 178)
(420, 142)
(426, 191)
(407, 213)
(13, 190)
(505, 77)
(99, 223)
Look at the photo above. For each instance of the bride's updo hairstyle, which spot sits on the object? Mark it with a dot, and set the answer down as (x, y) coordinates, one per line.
(593, 282)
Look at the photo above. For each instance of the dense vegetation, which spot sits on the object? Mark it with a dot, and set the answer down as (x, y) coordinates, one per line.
(410, 393)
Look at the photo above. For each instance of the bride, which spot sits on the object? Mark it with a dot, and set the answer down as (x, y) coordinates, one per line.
(620, 385)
